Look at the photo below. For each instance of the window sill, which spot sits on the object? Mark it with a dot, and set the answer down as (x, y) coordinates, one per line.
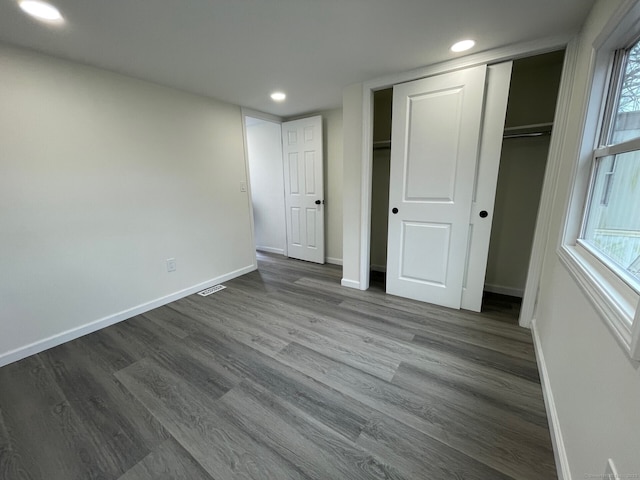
(615, 302)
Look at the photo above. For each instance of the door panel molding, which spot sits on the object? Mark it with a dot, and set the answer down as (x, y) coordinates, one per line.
(438, 235)
(304, 188)
(434, 150)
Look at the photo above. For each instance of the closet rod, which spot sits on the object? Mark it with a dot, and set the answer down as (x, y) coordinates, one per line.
(382, 145)
(532, 130)
(525, 135)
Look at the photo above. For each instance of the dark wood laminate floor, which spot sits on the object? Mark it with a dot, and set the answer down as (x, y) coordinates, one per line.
(284, 374)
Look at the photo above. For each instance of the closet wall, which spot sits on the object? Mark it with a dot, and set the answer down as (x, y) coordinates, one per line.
(264, 153)
(382, 106)
(532, 100)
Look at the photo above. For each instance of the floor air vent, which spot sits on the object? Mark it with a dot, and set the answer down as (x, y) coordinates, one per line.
(210, 290)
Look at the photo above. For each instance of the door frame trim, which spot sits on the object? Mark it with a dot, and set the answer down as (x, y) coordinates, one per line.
(510, 52)
(267, 117)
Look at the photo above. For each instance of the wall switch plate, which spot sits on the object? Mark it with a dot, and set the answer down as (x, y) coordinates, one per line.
(243, 186)
(171, 265)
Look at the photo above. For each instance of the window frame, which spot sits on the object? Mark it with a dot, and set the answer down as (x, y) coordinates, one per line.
(628, 146)
(614, 297)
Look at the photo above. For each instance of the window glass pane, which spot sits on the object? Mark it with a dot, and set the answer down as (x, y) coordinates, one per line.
(627, 118)
(613, 221)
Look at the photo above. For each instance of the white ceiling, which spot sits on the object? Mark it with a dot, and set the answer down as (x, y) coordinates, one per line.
(242, 50)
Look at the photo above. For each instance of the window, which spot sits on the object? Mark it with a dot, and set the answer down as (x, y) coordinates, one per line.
(611, 226)
(600, 245)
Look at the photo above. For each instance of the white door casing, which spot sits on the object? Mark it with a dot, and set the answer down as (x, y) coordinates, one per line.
(434, 150)
(304, 188)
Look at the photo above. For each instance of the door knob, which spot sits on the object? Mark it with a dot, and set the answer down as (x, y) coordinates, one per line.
(318, 202)
(394, 210)
(483, 214)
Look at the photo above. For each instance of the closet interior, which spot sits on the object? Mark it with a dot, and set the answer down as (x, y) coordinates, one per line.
(531, 106)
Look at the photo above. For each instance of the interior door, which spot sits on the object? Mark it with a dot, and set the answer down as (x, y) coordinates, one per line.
(482, 208)
(434, 150)
(304, 188)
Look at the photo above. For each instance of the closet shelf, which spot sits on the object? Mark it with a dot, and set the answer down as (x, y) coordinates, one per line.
(532, 130)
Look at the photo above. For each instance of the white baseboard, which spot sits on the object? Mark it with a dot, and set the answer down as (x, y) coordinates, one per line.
(333, 261)
(63, 337)
(379, 268)
(559, 451)
(279, 251)
(350, 283)
(502, 290)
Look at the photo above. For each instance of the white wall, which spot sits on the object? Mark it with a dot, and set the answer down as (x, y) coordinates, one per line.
(520, 179)
(332, 125)
(534, 88)
(352, 180)
(103, 178)
(380, 208)
(596, 387)
(264, 151)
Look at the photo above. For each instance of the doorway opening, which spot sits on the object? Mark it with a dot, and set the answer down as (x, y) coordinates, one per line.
(264, 155)
(533, 93)
(286, 180)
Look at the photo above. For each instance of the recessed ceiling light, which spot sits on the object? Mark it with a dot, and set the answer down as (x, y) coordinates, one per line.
(278, 96)
(462, 45)
(41, 10)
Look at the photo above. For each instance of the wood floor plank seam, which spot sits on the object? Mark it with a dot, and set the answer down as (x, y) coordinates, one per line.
(284, 375)
(294, 433)
(302, 390)
(376, 296)
(393, 347)
(379, 414)
(399, 351)
(223, 450)
(270, 323)
(169, 460)
(489, 338)
(367, 389)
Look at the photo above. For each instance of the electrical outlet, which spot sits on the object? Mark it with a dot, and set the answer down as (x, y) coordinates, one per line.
(171, 265)
(243, 186)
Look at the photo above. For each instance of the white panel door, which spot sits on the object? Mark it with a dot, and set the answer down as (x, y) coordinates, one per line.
(434, 150)
(495, 111)
(304, 188)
